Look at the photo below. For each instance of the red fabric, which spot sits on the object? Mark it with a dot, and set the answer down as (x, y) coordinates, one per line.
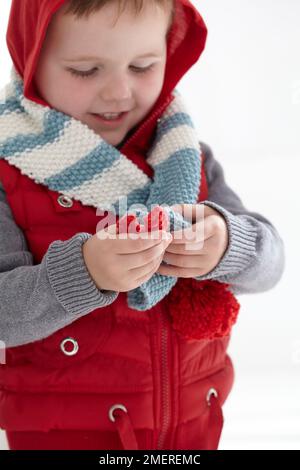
(72, 440)
(137, 359)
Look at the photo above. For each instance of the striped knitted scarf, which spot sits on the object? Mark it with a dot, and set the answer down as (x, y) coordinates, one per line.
(64, 154)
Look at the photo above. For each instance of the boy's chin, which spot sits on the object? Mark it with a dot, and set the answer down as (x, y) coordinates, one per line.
(115, 141)
(122, 142)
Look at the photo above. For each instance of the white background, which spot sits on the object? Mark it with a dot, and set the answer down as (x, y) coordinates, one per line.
(244, 96)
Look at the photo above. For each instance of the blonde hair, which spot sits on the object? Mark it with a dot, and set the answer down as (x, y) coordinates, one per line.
(81, 8)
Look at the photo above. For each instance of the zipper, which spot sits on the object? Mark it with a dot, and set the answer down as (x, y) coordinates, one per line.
(165, 382)
(166, 398)
(165, 367)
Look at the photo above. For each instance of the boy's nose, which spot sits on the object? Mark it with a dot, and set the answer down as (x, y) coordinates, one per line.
(116, 89)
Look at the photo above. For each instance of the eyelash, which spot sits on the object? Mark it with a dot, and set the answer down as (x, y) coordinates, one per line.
(77, 73)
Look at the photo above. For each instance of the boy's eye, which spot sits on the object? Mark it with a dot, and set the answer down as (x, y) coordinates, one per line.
(82, 74)
(142, 69)
(91, 72)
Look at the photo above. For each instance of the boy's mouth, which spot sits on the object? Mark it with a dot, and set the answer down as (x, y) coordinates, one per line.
(110, 118)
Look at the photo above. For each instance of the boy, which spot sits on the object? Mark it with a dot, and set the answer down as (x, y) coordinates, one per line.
(117, 349)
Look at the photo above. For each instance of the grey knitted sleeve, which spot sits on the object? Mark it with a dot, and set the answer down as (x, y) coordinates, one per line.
(254, 260)
(37, 300)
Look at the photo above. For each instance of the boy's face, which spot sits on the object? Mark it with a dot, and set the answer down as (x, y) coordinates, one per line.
(117, 81)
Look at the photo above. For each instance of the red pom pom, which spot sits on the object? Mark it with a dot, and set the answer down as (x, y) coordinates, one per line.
(202, 309)
(128, 223)
(155, 220)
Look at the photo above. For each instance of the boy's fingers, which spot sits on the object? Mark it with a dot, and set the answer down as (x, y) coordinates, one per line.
(133, 243)
(126, 243)
(144, 258)
(197, 233)
(186, 248)
(145, 272)
(194, 212)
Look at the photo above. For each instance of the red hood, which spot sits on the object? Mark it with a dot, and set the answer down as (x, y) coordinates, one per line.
(28, 24)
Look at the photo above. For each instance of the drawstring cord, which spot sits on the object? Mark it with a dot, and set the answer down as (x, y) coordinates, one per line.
(215, 420)
(119, 416)
(124, 426)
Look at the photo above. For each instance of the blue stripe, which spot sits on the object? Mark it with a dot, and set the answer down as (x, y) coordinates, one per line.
(170, 123)
(10, 106)
(13, 104)
(182, 166)
(19, 89)
(136, 197)
(54, 123)
(94, 163)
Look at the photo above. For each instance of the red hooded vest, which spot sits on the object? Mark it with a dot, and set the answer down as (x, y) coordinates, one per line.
(130, 379)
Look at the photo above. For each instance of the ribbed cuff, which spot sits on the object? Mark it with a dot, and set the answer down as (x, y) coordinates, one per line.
(69, 277)
(241, 248)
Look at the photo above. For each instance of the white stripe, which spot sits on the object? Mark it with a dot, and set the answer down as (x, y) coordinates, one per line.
(117, 181)
(52, 158)
(179, 138)
(16, 123)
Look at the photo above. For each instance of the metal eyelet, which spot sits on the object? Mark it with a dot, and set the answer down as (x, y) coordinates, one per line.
(113, 408)
(64, 201)
(75, 346)
(211, 391)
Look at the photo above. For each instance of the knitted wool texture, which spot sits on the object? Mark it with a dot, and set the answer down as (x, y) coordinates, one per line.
(58, 151)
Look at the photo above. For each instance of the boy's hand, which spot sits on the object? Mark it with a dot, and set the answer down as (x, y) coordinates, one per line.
(188, 258)
(122, 264)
